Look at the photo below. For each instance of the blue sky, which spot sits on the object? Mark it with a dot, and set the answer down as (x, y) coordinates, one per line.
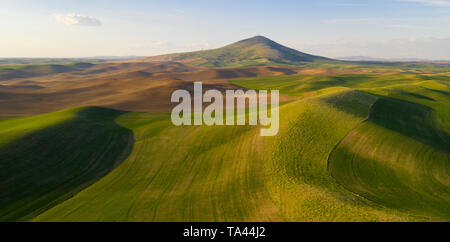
(66, 28)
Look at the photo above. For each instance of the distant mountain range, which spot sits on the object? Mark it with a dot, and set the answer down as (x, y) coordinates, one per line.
(43, 61)
(368, 58)
(254, 51)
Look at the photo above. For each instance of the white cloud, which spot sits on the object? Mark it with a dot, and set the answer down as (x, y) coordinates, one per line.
(77, 19)
(441, 3)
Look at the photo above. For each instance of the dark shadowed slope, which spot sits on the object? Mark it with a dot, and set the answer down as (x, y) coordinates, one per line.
(47, 159)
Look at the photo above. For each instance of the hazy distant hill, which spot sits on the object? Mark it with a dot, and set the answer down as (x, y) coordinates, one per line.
(62, 61)
(258, 50)
(368, 58)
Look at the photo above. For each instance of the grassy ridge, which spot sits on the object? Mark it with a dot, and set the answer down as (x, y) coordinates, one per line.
(48, 158)
(400, 157)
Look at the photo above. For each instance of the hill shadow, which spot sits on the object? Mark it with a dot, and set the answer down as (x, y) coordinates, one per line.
(410, 119)
(49, 166)
(438, 91)
(415, 95)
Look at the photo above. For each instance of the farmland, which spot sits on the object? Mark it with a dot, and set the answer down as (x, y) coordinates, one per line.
(95, 142)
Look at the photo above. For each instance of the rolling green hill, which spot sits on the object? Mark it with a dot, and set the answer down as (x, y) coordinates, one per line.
(227, 173)
(258, 50)
(398, 157)
(353, 147)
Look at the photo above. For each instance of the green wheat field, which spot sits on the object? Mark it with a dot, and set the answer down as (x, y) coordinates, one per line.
(351, 147)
